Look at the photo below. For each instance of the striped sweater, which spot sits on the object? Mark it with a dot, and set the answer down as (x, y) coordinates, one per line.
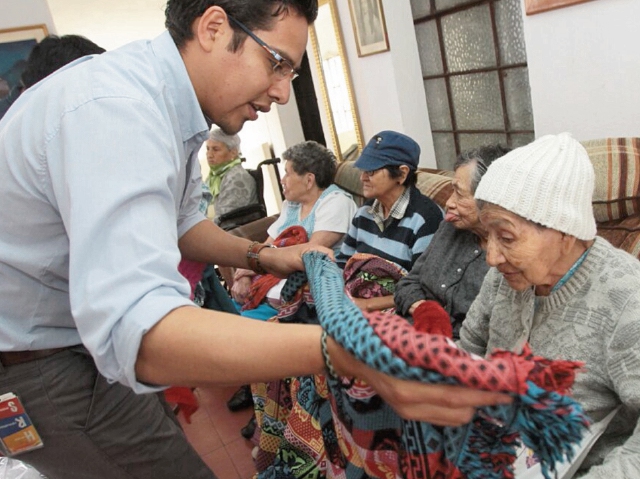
(402, 241)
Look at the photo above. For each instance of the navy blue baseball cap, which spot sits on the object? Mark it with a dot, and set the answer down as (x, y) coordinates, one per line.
(389, 148)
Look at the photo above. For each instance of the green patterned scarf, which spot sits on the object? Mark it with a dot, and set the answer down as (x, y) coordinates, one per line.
(216, 173)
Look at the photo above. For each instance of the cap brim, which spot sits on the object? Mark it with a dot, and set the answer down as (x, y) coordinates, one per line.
(369, 163)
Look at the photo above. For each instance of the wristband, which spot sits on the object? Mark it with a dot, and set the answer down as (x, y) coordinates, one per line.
(328, 365)
(253, 256)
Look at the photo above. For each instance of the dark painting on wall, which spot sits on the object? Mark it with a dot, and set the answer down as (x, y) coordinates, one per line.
(15, 46)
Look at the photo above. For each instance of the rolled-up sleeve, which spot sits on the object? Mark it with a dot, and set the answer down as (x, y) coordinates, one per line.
(123, 209)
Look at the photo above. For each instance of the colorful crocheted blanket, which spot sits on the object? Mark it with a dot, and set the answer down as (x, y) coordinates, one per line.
(543, 417)
(369, 276)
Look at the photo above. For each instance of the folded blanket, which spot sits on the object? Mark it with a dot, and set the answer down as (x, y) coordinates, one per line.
(263, 283)
(370, 276)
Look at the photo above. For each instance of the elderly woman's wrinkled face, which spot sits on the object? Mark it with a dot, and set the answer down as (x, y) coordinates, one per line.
(295, 186)
(218, 153)
(462, 211)
(526, 254)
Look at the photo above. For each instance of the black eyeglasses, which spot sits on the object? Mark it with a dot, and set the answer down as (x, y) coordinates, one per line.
(281, 66)
(370, 173)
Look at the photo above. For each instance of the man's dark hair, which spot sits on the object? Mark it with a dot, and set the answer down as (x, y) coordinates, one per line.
(254, 14)
(54, 52)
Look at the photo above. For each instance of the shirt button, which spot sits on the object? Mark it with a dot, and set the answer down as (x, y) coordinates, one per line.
(443, 286)
(459, 270)
(476, 252)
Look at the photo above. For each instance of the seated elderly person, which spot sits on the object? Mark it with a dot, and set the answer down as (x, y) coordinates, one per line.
(397, 222)
(312, 202)
(230, 184)
(557, 286)
(450, 271)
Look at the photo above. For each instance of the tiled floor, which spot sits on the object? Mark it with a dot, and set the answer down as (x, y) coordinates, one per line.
(215, 433)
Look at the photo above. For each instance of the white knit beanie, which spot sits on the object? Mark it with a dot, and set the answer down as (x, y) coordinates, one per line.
(549, 181)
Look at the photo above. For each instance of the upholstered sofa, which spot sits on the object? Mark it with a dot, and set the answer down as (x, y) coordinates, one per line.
(616, 199)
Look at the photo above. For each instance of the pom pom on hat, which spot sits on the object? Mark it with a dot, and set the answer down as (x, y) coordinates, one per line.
(549, 181)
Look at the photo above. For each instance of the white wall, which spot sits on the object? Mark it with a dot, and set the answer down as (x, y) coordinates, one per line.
(584, 68)
(110, 24)
(20, 13)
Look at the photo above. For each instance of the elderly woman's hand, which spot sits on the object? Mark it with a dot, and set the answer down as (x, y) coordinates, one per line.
(439, 404)
(415, 305)
(241, 284)
(240, 289)
(282, 262)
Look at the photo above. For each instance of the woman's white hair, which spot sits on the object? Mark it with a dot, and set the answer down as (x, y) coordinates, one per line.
(232, 142)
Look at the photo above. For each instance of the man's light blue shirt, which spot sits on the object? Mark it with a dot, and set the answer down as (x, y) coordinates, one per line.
(99, 178)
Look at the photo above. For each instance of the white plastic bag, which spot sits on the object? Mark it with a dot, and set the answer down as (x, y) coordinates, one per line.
(15, 469)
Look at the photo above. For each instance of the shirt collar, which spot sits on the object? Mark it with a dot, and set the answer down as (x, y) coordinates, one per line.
(190, 116)
(397, 211)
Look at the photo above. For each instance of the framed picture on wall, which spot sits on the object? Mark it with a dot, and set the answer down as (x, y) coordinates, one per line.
(15, 46)
(369, 26)
(537, 6)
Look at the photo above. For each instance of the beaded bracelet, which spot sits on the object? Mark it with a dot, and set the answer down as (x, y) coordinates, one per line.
(253, 256)
(328, 365)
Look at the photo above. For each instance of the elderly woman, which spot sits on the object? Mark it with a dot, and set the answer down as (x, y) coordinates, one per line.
(567, 293)
(230, 184)
(398, 221)
(312, 201)
(451, 269)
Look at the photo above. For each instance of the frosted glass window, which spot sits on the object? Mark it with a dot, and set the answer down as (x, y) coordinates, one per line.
(474, 66)
(477, 101)
(469, 141)
(468, 39)
(438, 101)
(429, 48)
(510, 32)
(445, 147)
(420, 8)
(444, 4)
(518, 98)
(521, 139)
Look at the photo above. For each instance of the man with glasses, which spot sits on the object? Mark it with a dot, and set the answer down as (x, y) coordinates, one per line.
(100, 187)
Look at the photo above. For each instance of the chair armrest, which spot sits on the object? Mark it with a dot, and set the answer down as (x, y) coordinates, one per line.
(241, 216)
(256, 230)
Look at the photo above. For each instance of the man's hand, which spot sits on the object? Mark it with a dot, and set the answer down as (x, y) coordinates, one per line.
(281, 262)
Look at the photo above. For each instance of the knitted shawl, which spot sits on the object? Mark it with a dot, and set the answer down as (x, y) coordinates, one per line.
(542, 417)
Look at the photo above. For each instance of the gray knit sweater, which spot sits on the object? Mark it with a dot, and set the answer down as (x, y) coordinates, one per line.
(594, 318)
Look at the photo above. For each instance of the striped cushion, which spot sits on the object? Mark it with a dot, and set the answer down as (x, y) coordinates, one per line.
(436, 184)
(616, 162)
(623, 234)
(348, 178)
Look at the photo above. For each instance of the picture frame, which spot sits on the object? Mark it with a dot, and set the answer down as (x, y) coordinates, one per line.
(369, 26)
(15, 46)
(538, 6)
